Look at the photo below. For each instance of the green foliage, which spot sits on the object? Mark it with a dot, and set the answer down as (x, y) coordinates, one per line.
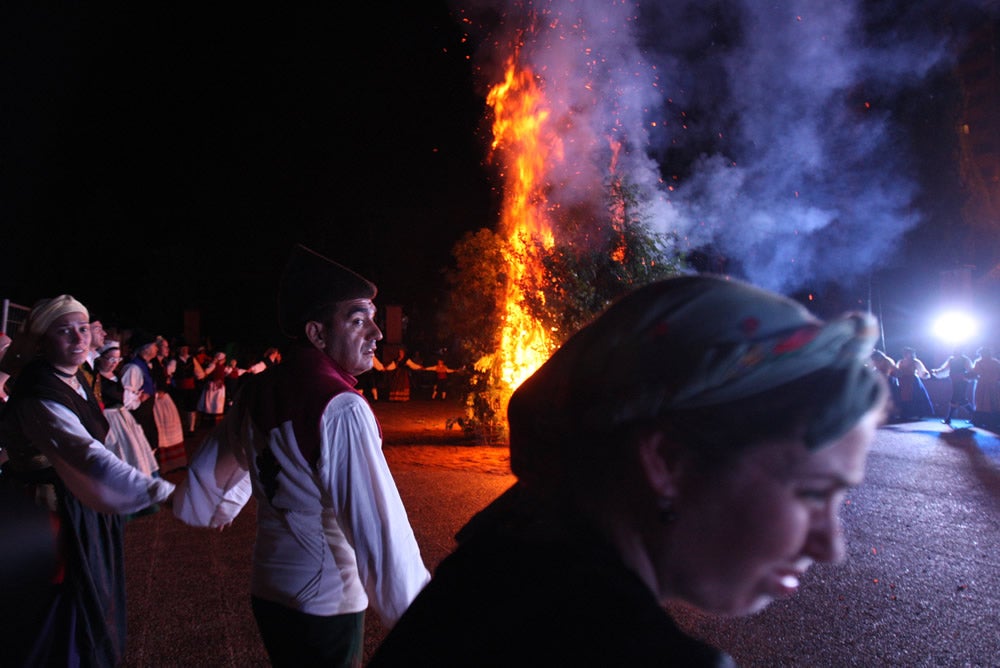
(583, 277)
(478, 285)
(587, 269)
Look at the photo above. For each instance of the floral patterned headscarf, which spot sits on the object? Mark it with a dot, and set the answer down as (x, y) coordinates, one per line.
(685, 343)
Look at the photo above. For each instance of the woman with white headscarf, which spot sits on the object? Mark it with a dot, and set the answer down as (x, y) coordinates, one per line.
(55, 431)
(125, 437)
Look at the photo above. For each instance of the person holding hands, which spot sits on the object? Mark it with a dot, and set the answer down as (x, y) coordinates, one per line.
(332, 532)
(55, 432)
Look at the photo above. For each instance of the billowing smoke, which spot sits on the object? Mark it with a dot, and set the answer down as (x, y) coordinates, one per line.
(762, 130)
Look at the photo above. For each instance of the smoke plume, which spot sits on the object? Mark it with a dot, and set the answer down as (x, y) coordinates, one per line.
(763, 130)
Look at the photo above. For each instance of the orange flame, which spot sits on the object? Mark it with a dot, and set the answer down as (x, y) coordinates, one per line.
(527, 146)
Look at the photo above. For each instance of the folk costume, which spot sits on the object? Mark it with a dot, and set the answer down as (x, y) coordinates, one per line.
(125, 437)
(185, 380)
(212, 401)
(400, 377)
(140, 389)
(914, 400)
(332, 532)
(986, 370)
(55, 435)
(165, 413)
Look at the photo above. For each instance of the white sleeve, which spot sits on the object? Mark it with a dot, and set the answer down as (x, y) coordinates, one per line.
(355, 475)
(94, 474)
(132, 383)
(217, 486)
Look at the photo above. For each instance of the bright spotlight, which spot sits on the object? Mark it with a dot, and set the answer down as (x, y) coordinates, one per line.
(955, 327)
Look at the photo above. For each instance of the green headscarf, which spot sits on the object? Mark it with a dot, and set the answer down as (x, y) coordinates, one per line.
(684, 344)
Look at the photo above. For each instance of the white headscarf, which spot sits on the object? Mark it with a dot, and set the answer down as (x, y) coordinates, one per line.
(47, 311)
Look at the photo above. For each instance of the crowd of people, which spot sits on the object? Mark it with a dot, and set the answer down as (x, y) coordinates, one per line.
(975, 386)
(693, 444)
(91, 416)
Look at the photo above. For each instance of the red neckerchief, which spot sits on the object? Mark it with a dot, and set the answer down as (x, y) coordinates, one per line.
(297, 390)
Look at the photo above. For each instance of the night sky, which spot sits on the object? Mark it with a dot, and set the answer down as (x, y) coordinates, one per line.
(158, 158)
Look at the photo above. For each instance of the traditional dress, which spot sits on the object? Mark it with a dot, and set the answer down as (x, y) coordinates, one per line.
(125, 437)
(958, 368)
(332, 532)
(987, 372)
(55, 436)
(914, 401)
(399, 377)
(184, 381)
(213, 393)
(168, 418)
(137, 379)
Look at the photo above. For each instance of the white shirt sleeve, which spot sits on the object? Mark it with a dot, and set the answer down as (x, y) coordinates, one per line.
(355, 476)
(94, 474)
(132, 382)
(217, 485)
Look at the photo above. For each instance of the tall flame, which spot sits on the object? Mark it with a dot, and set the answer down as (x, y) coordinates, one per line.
(526, 145)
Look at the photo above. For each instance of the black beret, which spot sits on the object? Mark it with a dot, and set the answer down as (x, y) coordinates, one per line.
(311, 281)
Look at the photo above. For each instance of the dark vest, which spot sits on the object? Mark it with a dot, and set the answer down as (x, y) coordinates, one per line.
(38, 381)
(298, 390)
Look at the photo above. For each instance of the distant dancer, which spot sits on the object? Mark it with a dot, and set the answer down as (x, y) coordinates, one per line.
(97, 338)
(370, 381)
(187, 374)
(442, 379)
(958, 367)
(332, 532)
(271, 357)
(914, 401)
(125, 437)
(140, 387)
(986, 370)
(887, 367)
(400, 372)
(170, 447)
(212, 402)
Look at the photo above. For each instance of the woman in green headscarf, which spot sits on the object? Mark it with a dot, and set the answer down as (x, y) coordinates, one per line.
(694, 443)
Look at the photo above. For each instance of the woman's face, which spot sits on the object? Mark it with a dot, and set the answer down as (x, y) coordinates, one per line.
(745, 536)
(109, 361)
(66, 341)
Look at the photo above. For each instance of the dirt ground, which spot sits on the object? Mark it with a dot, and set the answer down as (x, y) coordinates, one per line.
(410, 425)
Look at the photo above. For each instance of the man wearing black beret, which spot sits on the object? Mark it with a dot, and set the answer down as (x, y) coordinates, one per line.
(332, 532)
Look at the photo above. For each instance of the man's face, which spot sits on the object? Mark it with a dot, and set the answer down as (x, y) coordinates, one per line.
(350, 335)
(97, 334)
(147, 352)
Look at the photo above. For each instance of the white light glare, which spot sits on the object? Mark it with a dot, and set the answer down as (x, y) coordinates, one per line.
(955, 327)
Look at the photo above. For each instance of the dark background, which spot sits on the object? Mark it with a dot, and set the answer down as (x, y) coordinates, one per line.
(157, 159)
